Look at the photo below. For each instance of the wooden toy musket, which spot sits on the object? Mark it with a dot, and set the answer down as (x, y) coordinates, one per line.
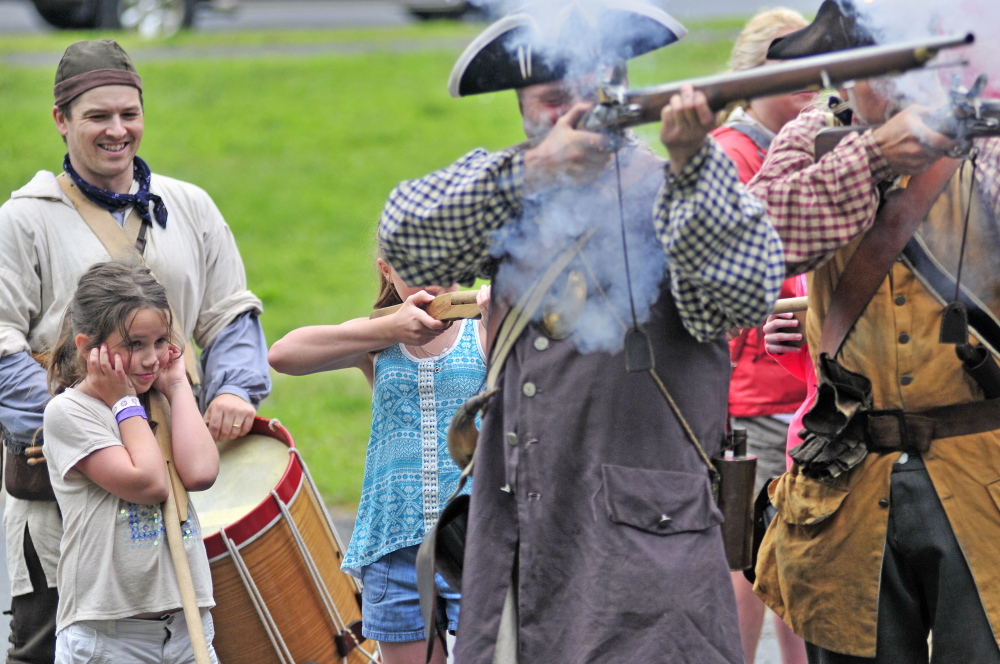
(450, 306)
(618, 108)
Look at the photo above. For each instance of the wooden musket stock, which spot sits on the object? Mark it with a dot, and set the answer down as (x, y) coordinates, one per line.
(450, 306)
(949, 121)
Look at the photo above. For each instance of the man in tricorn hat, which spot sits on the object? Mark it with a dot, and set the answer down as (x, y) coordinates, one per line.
(887, 522)
(55, 227)
(593, 535)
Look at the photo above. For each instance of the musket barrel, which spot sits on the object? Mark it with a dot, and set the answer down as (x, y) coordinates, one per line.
(812, 73)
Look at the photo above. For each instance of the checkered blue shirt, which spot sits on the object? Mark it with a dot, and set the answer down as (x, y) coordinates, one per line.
(725, 260)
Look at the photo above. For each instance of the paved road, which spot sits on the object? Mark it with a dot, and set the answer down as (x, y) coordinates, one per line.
(19, 16)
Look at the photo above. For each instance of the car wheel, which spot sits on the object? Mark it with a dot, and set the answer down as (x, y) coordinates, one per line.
(148, 18)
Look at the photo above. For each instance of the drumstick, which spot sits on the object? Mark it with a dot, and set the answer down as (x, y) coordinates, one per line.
(160, 412)
(790, 305)
(450, 306)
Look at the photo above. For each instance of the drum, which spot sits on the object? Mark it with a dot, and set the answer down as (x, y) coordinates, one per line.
(281, 597)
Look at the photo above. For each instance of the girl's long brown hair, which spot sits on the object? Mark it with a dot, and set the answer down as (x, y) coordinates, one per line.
(387, 295)
(107, 297)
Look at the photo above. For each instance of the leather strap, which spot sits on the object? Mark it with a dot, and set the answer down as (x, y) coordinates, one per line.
(122, 244)
(890, 430)
(941, 284)
(759, 136)
(892, 229)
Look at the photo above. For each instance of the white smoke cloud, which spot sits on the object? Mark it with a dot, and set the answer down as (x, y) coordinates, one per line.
(557, 218)
(905, 20)
(576, 37)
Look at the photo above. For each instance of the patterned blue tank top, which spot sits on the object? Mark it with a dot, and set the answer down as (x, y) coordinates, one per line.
(408, 473)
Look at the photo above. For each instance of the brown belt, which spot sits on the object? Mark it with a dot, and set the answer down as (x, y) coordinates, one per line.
(893, 429)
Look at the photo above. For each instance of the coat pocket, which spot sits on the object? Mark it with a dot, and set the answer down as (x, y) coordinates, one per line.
(661, 502)
(801, 501)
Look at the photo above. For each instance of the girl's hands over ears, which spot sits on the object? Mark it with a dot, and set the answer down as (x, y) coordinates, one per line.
(106, 375)
(413, 325)
(172, 373)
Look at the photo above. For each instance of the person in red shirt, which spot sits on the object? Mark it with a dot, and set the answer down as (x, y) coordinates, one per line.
(762, 395)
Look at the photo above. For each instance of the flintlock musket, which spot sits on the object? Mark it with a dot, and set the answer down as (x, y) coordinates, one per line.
(617, 107)
(967, 116)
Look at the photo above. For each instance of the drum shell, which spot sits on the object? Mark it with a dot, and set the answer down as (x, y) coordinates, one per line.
(274, 571)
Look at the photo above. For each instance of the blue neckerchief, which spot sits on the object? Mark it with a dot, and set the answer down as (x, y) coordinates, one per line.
(111, 201)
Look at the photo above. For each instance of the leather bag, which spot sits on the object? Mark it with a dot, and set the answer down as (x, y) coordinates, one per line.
(26, 481)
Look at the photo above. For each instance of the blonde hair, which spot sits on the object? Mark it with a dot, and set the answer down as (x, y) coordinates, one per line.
(750, 47)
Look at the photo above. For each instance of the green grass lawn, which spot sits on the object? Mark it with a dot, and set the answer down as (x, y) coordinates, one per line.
(299, 151)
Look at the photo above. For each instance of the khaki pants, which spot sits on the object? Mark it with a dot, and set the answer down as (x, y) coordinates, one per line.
(165, 641)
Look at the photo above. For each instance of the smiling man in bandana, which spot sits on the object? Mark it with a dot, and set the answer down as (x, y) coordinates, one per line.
(46, 243)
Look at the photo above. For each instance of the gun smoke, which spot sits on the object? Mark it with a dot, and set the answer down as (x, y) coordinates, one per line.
(892, 21)
(579, 38)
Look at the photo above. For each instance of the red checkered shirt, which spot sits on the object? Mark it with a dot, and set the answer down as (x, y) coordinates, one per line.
(819, 207)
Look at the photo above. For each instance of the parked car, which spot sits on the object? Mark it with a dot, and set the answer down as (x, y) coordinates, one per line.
(150, 18)
(427, 10)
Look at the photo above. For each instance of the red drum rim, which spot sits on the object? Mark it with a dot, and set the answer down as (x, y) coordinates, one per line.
(257, 520)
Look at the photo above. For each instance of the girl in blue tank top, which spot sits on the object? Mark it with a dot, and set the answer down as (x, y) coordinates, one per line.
(421, 370)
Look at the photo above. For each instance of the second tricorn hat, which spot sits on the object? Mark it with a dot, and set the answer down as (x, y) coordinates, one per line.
(548, 41)
(835, 28)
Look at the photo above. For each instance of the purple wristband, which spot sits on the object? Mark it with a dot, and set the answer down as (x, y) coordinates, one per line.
(131, 411)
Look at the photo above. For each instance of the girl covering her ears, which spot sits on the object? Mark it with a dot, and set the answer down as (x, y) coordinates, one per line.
(421, 370)
(119, 599)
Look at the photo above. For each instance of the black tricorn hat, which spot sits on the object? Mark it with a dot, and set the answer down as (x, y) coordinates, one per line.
(547, 41)
(836, 28)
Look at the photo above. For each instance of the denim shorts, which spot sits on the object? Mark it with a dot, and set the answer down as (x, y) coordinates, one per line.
(390, 605)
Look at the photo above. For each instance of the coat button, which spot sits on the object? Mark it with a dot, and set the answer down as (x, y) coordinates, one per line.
(900, 300)
(906, 379)
(511, 438)
(664, 521)
(529, 389)
(883, 502)
(541, 343)
(904, 338)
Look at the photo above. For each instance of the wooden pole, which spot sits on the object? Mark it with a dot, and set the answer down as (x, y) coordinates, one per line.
(177, 501)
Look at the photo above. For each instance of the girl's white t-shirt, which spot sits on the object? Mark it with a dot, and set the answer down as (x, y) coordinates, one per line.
(114, 559)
